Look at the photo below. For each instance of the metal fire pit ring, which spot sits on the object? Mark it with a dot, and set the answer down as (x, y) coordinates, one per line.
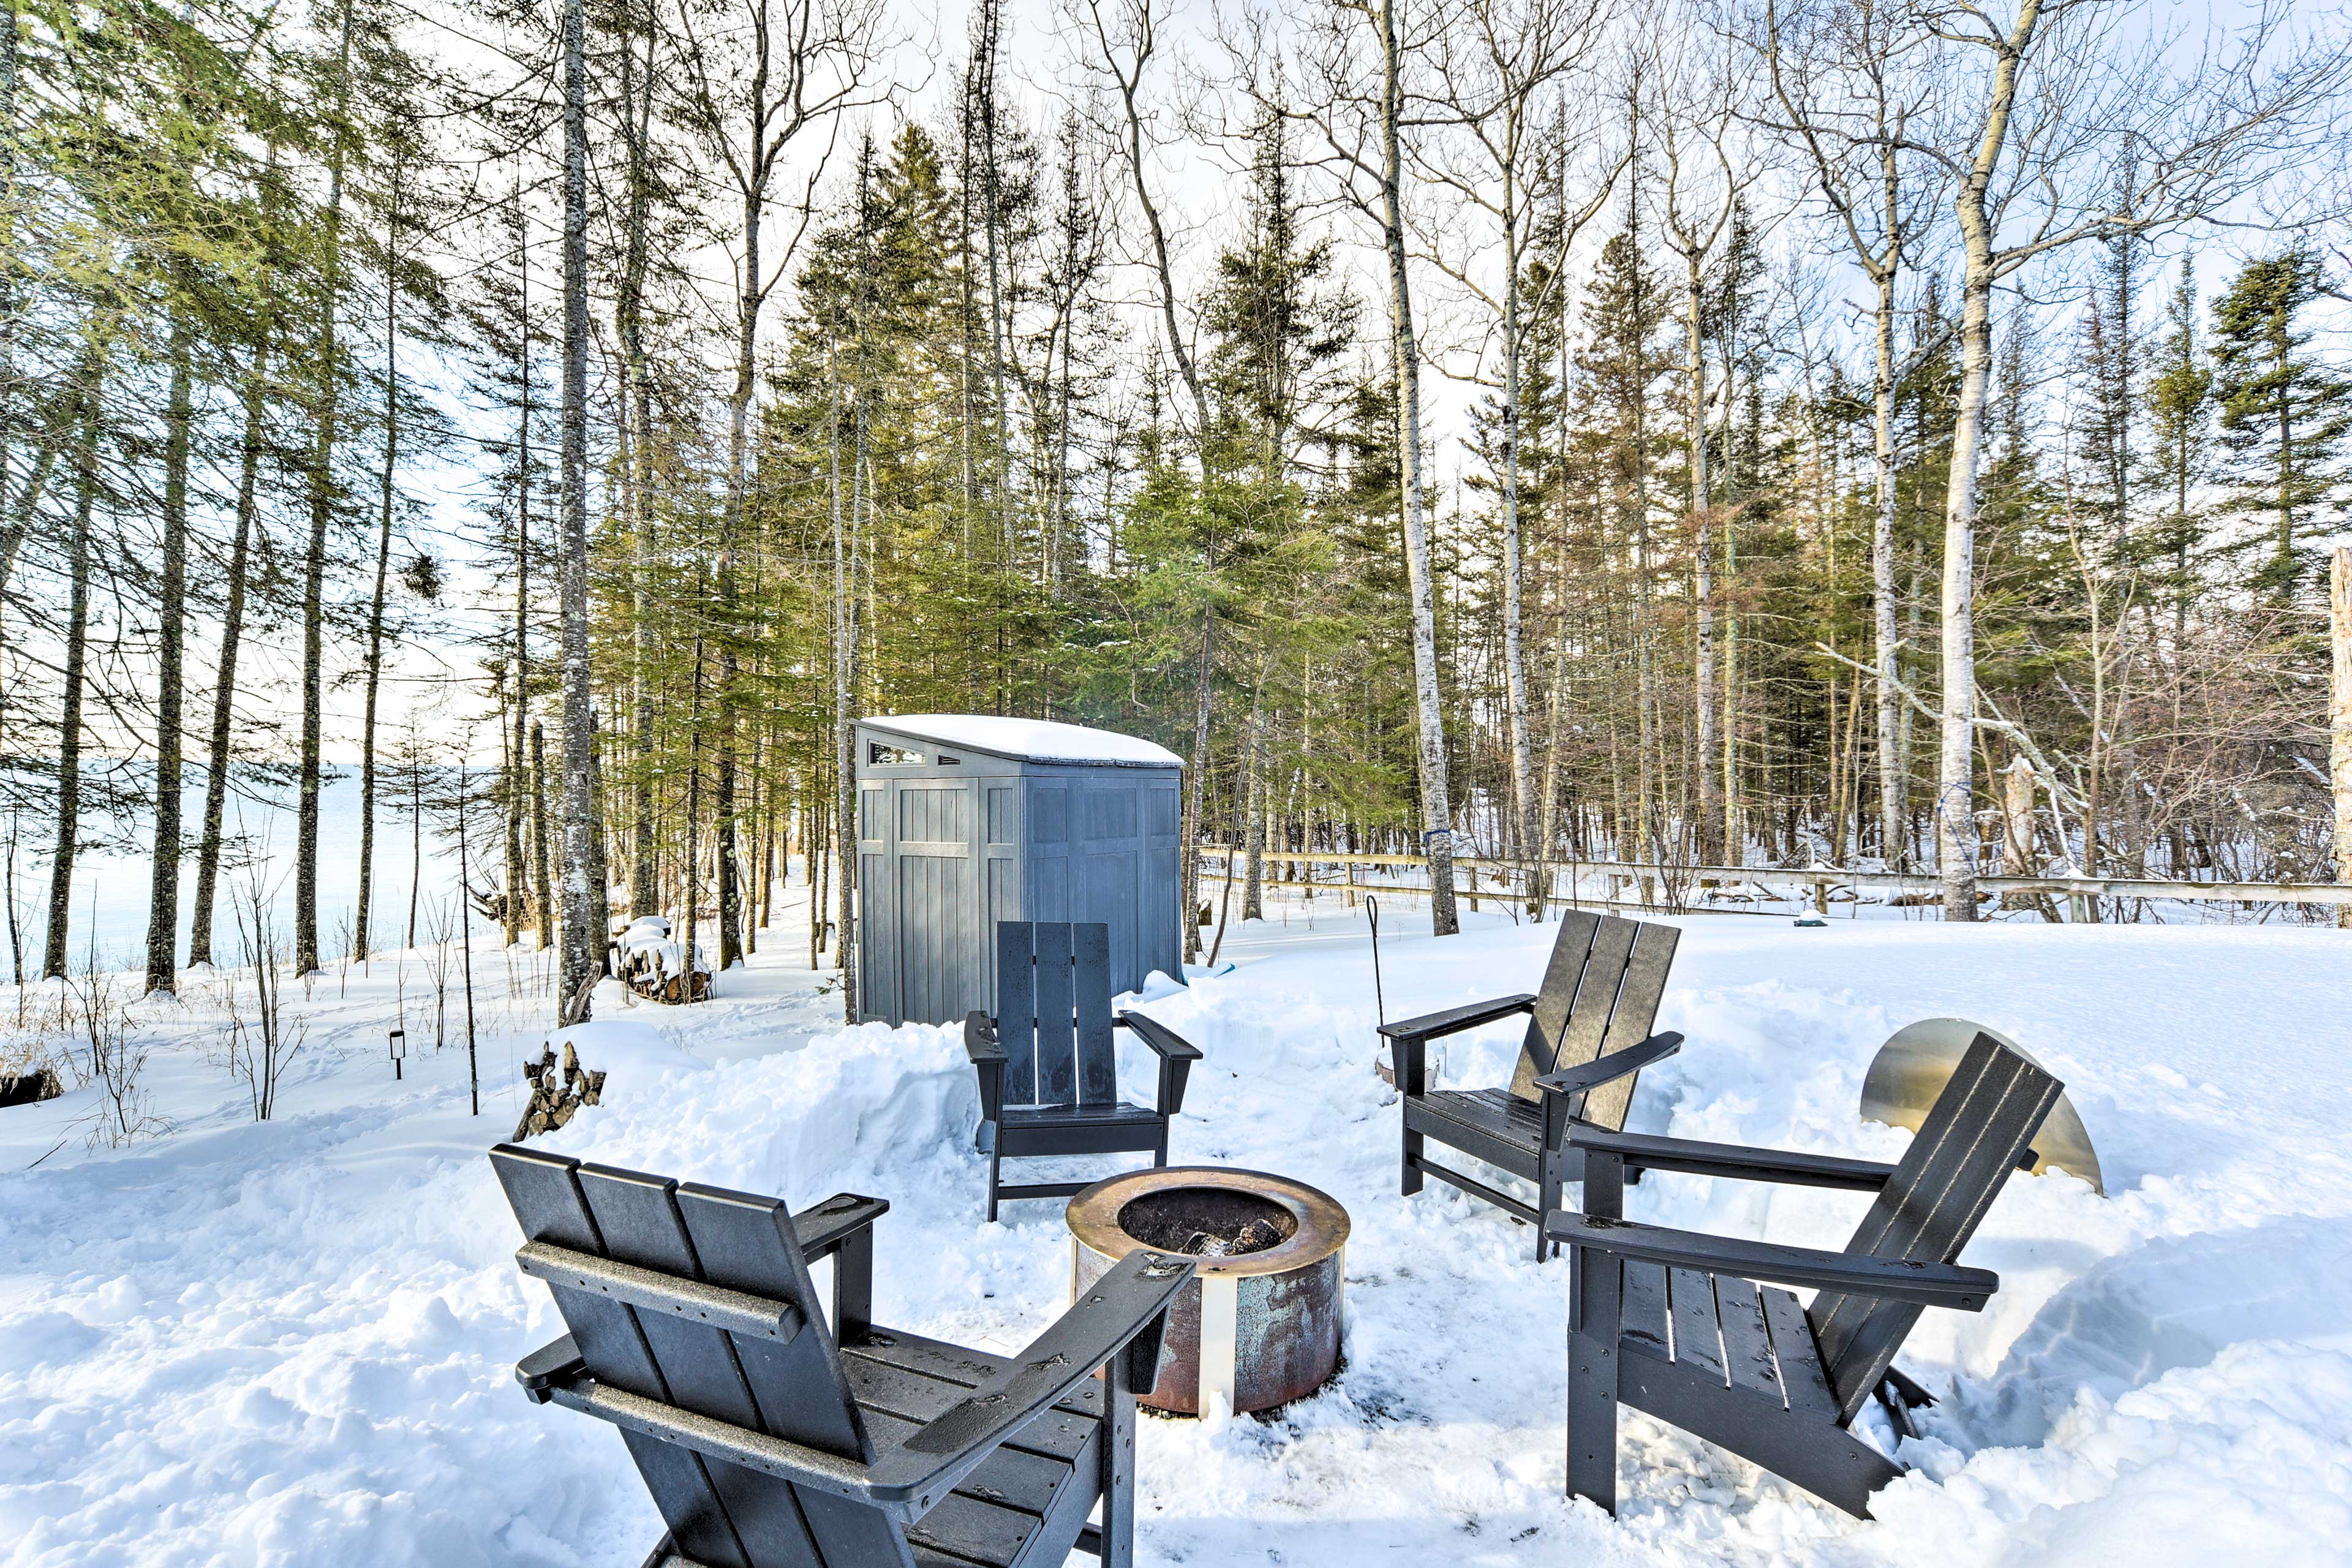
(1260, 1329)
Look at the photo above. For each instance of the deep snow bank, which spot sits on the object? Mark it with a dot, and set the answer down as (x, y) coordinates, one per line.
(291, 1343)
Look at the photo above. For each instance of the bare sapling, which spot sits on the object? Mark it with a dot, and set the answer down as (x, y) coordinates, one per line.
(116, 1061)
(264, 1042)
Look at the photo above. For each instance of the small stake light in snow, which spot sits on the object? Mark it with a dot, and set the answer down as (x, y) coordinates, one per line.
(399, 1042)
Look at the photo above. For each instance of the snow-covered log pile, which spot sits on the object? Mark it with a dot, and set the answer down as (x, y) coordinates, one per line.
(556, 1100)
(653, 963)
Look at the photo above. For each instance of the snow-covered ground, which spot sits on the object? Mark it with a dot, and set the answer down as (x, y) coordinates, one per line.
(291, 1342)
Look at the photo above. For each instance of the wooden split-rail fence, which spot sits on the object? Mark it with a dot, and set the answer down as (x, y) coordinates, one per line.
(1637, 885)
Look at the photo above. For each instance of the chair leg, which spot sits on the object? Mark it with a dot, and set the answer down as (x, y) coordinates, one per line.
(994, 1157)
(1118, 1545)
(1549, 1200)
(1595, 1308)
(1412, 1182)
(1159, 1154)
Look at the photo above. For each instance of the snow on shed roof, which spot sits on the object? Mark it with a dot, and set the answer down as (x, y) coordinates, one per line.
(1030, 739)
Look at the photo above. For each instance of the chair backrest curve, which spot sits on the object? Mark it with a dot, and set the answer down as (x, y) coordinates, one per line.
(1600, 993)
(717, 1512)
(1963, 1154)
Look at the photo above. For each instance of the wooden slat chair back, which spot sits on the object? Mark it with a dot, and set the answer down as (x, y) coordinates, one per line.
(1588, 1040)
(1048, 1068)
(1706, 1333)
(723, 1515)
(1052, 1013)
(1978, 1128)
(1600, 993)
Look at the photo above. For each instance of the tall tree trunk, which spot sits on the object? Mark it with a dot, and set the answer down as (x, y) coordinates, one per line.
(1710, 792)
(2339, 715)
(1196, 771)
(1253, 761)
(13, 522)
(384, 496)
(539, 856)
(326, 412)
(1955, 779)
(163, 895)
(845, 711)
(1436, 815)
(644, 892)
(514, 782)
(208, 846)
(739, 426)
(1894, 844)
(88, 392)
(1515, 667)
(583, 849)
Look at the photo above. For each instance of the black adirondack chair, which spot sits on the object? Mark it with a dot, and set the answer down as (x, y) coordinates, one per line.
(1695, 1329)
(1048, 1067)
(769, 1440)
(1588, 1038)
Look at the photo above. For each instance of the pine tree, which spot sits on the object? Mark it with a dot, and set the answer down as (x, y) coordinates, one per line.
(2180, 437)
(2284, 412)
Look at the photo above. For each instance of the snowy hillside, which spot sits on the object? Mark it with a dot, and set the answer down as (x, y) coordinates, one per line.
(291, 1343)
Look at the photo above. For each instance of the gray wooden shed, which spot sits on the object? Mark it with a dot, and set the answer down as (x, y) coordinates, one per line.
(964, 820)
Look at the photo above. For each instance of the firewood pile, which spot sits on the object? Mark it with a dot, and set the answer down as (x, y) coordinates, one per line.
(556, 1098)
(650, 963)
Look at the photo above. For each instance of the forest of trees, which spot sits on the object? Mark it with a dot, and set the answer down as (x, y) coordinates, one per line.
(1837, 432)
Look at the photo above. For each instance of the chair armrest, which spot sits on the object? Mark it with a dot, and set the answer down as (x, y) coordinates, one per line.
(825, 1226)
(1454, 1020)
(1609, 1069)
(558, 1361)
(1124, 1311)
(1642, 1151)
(1169, 1045)
(842, 1229)
(988, 1059)
(1176, 1055)
(1889, 1278)
(980, 1041)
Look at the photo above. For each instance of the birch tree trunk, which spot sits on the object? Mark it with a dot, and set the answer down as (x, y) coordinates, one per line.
(1710, 794)
(845, 719)
(1254, 887)
(164, 896)
(1955, 780)
(1893, 840)
(1436, 815)
(583, 850)
(539, 875)
(514, 780)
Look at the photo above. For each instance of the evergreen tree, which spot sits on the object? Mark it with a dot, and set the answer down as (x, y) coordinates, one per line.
(2180, 419)
(2284, 412)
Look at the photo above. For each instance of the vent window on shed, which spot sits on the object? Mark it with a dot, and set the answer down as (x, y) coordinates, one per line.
(879, 755)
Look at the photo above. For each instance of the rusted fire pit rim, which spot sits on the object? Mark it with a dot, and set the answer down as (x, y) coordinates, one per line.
(1322, 1223)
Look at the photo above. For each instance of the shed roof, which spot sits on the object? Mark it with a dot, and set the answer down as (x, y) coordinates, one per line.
(1030, 739)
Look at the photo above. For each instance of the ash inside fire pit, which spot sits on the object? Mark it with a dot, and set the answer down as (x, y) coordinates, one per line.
(1207, 1222)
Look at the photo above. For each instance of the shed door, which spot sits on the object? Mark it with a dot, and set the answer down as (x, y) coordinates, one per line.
(937, 947)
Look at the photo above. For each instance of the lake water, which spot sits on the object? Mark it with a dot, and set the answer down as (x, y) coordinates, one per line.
(111, 885)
